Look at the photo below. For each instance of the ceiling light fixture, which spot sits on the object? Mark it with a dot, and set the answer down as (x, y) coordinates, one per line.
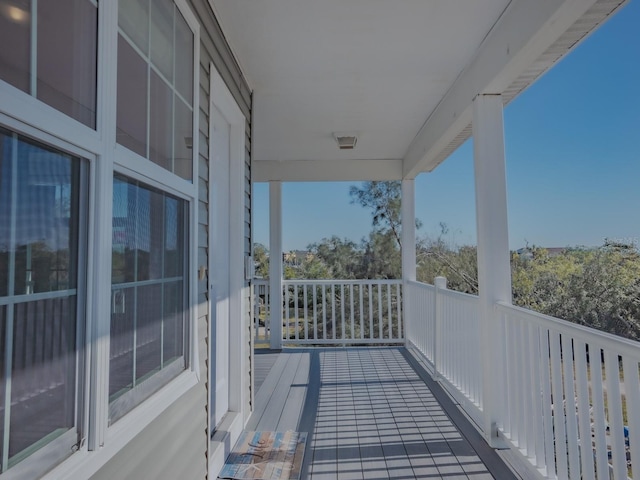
(346, 141)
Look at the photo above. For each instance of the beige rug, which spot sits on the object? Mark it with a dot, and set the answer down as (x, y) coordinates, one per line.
(266, 456)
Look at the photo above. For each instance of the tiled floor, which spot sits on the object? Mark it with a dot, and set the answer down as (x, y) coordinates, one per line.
(370, 415)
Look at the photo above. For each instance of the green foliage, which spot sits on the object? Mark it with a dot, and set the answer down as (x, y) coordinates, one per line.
(261, 260)
(597, 287)
(383, 198)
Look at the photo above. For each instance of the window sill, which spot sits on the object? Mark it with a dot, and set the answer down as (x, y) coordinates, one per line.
(84, 463)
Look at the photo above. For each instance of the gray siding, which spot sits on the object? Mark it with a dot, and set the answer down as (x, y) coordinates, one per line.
(175, 444)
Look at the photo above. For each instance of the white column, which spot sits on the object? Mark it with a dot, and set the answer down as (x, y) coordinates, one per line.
(275, 264)
(494, 272)
(408, 218)
(408, 212)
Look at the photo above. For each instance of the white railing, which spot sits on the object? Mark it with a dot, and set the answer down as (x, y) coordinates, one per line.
(261, 302)
(444, 326)
(342, 312)
(570, 390)
(460, 359)
(332, 312)
(420, 317)
(570, 395)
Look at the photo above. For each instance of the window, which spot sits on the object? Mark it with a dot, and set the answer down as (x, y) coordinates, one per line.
(53, 53)
(155, 84)
(149, 308)
(42, 202)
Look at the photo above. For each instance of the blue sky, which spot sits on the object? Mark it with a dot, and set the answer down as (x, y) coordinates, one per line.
(573, 161)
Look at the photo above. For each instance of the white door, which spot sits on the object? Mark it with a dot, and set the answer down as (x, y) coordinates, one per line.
(219, 259)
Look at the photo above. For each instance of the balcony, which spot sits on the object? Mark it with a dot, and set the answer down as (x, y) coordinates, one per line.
(566, 397)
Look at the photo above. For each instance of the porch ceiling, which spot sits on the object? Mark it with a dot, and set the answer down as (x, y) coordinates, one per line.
(400, 74)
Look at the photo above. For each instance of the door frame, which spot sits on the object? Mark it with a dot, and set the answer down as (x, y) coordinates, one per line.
(220, 96)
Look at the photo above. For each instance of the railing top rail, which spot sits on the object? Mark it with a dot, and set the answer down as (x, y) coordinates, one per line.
(339, 281)
(623, 346)
(466, 297)
(261, 281)
(421, 285)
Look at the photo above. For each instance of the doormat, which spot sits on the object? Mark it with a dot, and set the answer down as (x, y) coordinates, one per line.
(266, 456)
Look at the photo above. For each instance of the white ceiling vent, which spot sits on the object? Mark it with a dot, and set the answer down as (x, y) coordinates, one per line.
(346, 141)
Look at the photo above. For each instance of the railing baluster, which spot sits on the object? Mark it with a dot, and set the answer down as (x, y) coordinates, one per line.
(351, 313)
(380, 313)
(370, 311)
(547, 415)
(558, 410)
(315, 312)
(285, 333)
(342, 309)
(360, 291)
(570, 408)
(595, 366)
(632, 387)
(306, 311)
(399, 311)
(334, 320)
(296, 319)
(614, 407)
(536, 393)
(324, 312)
(389, 316)
(582, 387)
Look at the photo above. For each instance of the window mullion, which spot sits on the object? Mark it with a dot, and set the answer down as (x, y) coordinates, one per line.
(10, 307)
(163, 286)
(34, 48)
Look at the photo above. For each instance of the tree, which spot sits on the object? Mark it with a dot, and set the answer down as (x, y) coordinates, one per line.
(383, 198)
(261, 260)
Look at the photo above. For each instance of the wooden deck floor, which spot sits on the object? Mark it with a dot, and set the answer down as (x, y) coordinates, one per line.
(371, 413)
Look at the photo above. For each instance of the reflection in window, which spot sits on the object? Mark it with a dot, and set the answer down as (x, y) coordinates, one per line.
(52, 54)
(155, 84)
(148, 303)
(40, 204)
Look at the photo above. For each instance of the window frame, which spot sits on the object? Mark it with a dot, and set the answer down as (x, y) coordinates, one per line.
(35, 112)
(144, 164)
(52, 453)
(189, 286)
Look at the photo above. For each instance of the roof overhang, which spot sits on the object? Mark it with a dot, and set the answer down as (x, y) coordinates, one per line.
(399, 74)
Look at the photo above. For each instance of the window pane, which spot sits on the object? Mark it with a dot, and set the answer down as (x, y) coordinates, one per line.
(174, 246)
(122, 334)
(46, 217)
(184, 58)
(39, 247)
(6, 149)
(43, 373)
(160, 135)
(149, 330)
(173, 333)
(183, 144)
(162, 49)
(148, 307)
(133, 19)
(67, 53)
(15, 30)
(132, 99)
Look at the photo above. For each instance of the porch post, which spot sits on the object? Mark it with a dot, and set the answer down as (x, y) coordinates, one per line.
(408, 216)
(275, 264)
(408, 219)
(494, 271)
